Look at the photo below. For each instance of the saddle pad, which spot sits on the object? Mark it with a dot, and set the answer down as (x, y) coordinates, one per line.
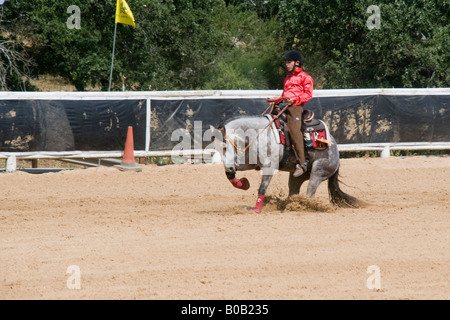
(317, 135)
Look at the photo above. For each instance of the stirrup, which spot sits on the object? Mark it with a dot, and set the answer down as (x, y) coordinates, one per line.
(305, 165)
(297, 173)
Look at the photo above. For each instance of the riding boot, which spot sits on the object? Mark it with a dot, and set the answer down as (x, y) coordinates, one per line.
(298, 171)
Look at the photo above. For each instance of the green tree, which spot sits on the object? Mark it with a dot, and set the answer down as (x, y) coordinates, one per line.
(79, 55)
(187, 44)
(15, 64)
(266, 9)
(172, 45)
(408, 50)
(251, 57)
(177, 44)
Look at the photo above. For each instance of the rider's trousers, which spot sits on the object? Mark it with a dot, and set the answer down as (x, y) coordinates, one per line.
(294, 122)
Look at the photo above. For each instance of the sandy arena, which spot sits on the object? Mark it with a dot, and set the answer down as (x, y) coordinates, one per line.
(184, 232)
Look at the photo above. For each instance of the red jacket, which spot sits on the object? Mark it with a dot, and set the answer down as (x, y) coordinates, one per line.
(298, 86)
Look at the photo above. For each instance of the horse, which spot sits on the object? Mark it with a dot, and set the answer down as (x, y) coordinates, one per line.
(248, 143)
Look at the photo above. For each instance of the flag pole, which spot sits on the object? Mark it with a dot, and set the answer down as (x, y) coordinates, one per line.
(112, 59)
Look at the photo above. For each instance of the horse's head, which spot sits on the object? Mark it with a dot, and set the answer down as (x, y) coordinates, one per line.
(224, 146)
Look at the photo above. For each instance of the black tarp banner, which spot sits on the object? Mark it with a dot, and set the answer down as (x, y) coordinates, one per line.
(170, 118)
(385, 118)
(351, 119)
(63, 125)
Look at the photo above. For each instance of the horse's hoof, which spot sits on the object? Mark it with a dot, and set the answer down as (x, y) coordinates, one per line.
(242, 184)
(245, 184)
(257, 210)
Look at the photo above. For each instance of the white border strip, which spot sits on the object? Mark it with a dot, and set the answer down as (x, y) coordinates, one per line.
(209, 152)
(208, 94)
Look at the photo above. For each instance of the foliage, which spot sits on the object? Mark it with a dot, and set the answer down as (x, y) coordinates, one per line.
(14, 62)
(265, 9)
(250, 58)
(410, 49)
(177, 44)
(14, 65)
(185, 44)
(80, 55)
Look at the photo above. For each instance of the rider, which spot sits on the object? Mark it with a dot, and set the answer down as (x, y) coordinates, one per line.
(297, 90)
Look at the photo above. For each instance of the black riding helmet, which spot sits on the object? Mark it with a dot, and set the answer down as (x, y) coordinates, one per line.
(294, 55)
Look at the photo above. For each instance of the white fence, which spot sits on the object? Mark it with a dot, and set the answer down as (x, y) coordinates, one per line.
(384, 148)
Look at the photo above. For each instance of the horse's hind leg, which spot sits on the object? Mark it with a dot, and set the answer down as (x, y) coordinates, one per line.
(296, 183)
(313, 184)
(261, 192)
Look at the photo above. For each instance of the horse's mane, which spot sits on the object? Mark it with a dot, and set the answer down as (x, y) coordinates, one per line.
(241, 116)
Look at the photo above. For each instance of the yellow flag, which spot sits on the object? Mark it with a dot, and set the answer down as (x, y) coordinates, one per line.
(124, 14)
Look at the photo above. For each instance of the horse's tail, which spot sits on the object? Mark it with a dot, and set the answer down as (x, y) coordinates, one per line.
(339, 197)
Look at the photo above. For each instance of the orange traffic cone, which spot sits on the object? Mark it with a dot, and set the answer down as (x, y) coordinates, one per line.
(128, 162)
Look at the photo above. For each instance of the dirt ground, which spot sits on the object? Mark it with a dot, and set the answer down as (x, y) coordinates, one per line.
(184, 232)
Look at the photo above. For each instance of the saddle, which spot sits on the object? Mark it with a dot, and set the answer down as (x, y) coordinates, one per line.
(315, 131)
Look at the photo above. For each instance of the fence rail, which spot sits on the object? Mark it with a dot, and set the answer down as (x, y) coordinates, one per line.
(411, 146)
(407, 146)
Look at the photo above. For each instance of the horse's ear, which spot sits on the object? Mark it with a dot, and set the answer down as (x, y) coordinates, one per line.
(213, 131)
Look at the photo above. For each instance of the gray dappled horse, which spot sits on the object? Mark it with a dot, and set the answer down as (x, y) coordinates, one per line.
(248, 143)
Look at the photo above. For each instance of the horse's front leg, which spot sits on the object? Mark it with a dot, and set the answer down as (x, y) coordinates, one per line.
(242, 183)
(261, 192)
(230, 162)
(269, 167)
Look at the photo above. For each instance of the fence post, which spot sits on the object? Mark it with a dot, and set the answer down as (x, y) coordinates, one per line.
(386, 152)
